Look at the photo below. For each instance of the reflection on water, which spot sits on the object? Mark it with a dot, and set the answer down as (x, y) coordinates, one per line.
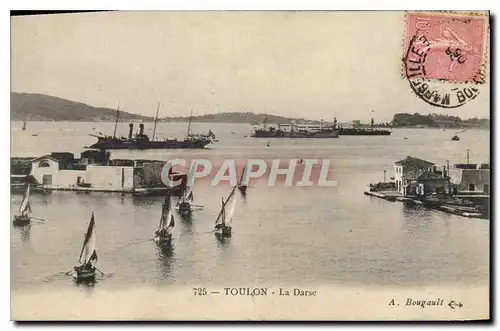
(25, 233)
(87, 284)
(165, 255)
(186, 223)
(186, 218)
(222, 241)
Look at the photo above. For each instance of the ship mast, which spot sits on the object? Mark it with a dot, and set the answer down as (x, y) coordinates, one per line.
(189, 125)
(156, 120)
(116, 121)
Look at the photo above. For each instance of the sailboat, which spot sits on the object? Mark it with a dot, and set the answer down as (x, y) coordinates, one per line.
(24, 210)
(242, 187)
(164, 233)
(88, 255)
(24, 124)
(185, 205)
(223, 222)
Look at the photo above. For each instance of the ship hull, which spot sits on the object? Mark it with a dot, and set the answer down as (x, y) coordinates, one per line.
(173, 144)
(357, 132)
(316, 135)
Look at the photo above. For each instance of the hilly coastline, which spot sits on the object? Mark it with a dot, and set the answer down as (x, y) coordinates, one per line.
(40, 107)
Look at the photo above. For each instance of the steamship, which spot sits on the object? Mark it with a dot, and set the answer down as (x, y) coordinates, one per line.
(294, 130)
(323, 130)
(142, 141)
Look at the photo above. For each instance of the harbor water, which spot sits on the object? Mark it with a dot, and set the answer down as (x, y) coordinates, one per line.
(281, 235)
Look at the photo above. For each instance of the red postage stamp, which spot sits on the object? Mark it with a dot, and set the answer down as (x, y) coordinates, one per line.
(446, 46)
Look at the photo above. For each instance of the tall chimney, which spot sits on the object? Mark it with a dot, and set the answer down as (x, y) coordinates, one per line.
(130, 130)
(141, 129)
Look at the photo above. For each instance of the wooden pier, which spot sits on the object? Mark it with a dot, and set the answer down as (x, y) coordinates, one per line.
(393, 196)
(386, 195)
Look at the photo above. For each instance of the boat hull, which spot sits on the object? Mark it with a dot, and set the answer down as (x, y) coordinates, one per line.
(242, 189)
(184, 208)
(163, 240)
(84, 274)
(20, 220)
(169, 144)
(363, 132)
(224, 232)
(293, 135)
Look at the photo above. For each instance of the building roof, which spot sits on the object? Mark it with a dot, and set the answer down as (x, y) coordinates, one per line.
(428, 175)
(44, 157)
(415, 163)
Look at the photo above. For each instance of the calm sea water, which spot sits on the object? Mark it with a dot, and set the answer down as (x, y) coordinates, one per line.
(282, 235)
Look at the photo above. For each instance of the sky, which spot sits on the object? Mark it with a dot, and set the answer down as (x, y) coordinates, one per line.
(296, 64)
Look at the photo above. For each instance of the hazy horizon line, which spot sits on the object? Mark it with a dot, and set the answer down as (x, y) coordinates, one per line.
(222, 112)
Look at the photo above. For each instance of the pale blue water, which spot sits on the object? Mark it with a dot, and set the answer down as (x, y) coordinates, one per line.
(281, 235)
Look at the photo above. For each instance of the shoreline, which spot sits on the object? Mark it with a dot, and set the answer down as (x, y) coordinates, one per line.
(186, 120)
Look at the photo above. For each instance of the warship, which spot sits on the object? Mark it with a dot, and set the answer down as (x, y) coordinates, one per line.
(142, 141)
(330, 130)
(356, 131)
(294, 130)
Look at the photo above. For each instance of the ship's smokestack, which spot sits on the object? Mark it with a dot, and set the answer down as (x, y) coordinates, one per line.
(141, 129)
(130, 130)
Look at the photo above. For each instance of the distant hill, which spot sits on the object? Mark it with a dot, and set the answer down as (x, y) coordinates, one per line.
(40, 107)
(237, 117)
(438, 120)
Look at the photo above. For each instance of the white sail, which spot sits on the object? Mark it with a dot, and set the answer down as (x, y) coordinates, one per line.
(88, 253)
(220, 218)
(188, 192)
(25, 207)
(231, 206)
(171, 223)
(167, 217)
(227, 209)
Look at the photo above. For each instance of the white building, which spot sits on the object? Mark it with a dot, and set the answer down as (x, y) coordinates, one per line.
(408, 170)
(45, 170)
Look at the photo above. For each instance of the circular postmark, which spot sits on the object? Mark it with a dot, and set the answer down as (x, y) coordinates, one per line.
(442, 68)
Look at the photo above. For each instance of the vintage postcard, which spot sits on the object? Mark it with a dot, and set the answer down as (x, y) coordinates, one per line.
(250, 165)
